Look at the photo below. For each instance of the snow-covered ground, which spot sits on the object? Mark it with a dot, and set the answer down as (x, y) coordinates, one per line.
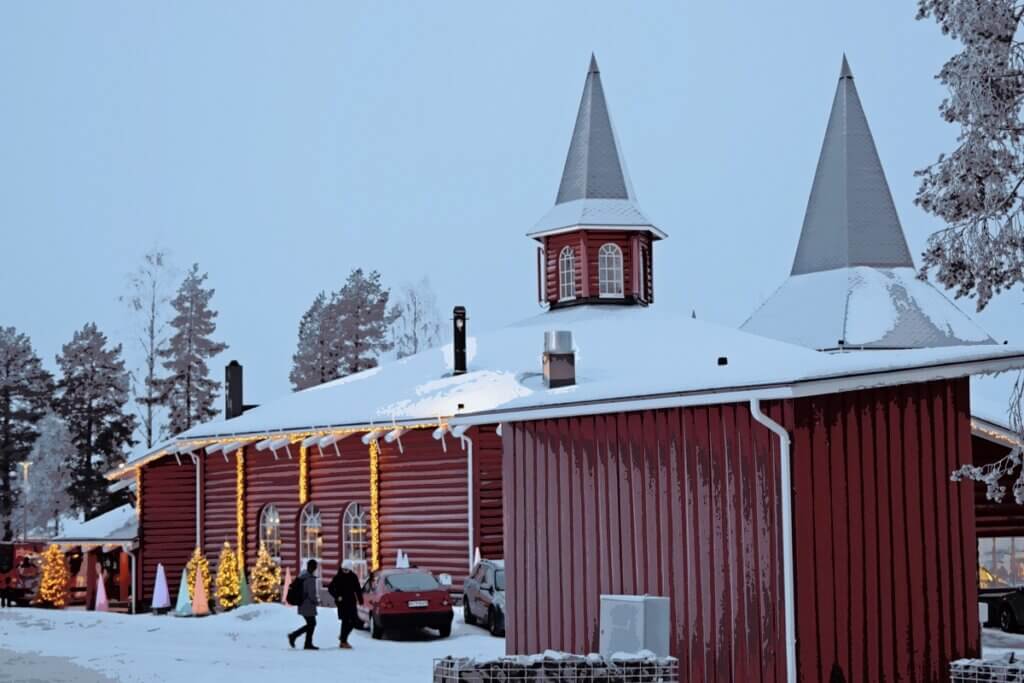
(247, 645)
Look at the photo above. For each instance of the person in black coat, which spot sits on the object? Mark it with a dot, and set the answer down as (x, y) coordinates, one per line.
(347, 594)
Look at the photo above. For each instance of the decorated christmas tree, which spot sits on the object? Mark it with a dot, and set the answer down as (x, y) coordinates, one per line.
(197, 562)
(266, 577)
(53, 588)
(183, 608)
(229, 592)
(161, 593)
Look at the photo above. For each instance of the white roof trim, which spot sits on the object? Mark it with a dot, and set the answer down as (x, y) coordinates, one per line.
(658, 233)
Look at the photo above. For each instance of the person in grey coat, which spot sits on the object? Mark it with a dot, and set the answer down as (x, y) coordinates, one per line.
(310, 601)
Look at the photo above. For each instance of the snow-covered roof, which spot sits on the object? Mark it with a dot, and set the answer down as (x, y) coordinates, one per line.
(863, 307)
(853, 282)
(595, 190)
(622, 354)
(116, 526)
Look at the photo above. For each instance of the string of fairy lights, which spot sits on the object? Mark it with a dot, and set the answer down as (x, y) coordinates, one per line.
(303, 484)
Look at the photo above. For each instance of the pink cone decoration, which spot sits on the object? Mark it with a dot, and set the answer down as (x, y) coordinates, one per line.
(200, 603)
(287, 582)
(102, 604)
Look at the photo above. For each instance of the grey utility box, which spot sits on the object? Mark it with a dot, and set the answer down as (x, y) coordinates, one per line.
(631, 623)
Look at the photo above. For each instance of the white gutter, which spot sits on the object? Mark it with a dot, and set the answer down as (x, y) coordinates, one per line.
(788, 589)
(467, 445)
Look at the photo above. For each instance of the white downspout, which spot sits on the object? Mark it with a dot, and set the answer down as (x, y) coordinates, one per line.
(467, 445)
(199, 494)
(131, 554)
(786, 486)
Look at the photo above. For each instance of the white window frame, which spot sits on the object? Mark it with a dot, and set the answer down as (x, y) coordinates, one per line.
(355, 538)
(311, 518)
(270, 531)
(610, 272)
(567, 274)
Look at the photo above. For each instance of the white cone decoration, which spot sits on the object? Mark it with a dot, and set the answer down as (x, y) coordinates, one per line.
(476, 556)
(161, 594)
(402, 560)
(102, 604)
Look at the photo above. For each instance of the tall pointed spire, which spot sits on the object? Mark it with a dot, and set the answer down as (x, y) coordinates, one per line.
(851, 219)
(595, 189)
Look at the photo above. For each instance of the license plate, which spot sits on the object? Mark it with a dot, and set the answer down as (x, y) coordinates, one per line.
(418, 603)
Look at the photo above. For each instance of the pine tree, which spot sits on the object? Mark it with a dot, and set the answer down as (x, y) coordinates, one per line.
(418, 324)
(197, 563)
(316, 359)
(149, 299)
(188, 391)
(26, 391)
(266, 578)
(49, 476)
(91, 398)
(365, 320)
(53, 587)
(229, 590)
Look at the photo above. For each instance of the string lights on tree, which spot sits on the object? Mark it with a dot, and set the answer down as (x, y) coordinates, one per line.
(197, 563)
(266, 577)
(229, 589)
(53, 587)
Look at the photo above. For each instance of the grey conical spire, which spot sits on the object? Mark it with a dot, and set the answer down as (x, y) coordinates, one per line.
(851, 219)
(595, 189)
(593, 167)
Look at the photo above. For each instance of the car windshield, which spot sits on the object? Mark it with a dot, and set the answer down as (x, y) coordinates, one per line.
(499, 580)
(412, 582)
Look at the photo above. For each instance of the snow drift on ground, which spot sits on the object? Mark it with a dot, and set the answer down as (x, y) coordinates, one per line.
(247, 645)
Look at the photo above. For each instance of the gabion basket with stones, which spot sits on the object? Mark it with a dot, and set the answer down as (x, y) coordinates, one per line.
(1006, 669)
(557, 667)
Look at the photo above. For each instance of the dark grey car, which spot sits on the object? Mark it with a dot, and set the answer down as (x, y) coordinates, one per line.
(483, 596)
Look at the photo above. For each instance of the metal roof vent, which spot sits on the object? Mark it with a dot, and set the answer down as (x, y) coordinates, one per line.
(559, 359)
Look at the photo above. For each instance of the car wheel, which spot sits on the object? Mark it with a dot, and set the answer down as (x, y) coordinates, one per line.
(446, 630)
(1007, 621)
(467, 613)
(376, 632)
(492, 622)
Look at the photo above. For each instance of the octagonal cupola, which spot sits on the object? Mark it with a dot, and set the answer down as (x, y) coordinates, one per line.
(596, 243)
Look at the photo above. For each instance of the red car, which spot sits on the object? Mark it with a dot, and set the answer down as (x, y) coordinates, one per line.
(405, 598)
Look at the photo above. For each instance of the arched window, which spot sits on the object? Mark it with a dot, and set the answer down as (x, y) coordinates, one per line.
(609, 270)
(311, 536)
(270, 531)
(355, 538)
(566, 274)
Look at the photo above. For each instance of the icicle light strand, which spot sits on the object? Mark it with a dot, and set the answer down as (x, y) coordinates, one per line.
(374, 505)
(240, 504)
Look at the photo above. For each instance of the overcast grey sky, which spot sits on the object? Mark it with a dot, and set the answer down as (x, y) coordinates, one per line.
(281, 144)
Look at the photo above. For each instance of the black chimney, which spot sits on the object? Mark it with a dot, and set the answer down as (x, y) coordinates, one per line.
(233, 390)
(459, 339)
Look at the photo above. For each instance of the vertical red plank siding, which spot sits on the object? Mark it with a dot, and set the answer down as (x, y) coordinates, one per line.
(883, 530)
(168, 523)
(335, 482)
(489, 517)
(424, 506)
(218, 505)
(636, 468)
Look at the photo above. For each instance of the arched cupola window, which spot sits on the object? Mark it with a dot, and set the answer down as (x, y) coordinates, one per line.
(609, 270)
(566, 274)
(355, 537)
(311, 536)
(270, 531)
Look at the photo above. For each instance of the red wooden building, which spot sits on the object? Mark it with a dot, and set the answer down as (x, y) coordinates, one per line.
(795, 506)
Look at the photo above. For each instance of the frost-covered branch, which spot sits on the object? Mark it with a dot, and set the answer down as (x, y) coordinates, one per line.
(991, 474)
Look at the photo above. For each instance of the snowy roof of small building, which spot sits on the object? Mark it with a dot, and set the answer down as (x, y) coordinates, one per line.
(863, 307)
(595, 189)
(118, 525)
(853, 281)
(622, 354)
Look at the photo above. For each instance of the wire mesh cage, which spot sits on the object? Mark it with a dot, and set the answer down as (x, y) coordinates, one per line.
(1003, 670)
(562, 669)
